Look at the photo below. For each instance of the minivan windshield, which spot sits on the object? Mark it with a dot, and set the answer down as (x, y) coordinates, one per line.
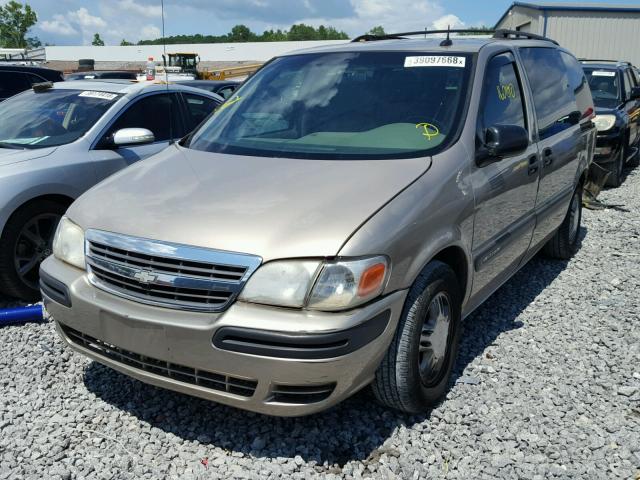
(605, 87)
(51, 118)
(343, 105)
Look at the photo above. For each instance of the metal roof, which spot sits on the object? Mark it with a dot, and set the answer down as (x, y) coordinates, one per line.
(573, 7)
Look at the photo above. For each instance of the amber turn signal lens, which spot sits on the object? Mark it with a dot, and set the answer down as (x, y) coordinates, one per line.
(371, 279)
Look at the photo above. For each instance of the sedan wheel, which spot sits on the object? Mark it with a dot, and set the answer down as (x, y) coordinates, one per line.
(33, 245)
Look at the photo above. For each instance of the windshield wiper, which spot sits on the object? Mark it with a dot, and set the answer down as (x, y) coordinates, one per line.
(12, 146)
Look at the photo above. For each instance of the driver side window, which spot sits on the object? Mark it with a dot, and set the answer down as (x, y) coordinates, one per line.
(502, 103)
(154, 112)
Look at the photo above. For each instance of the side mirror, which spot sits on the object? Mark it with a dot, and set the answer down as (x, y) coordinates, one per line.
(635, 93)
(501, 141)
(132, 136)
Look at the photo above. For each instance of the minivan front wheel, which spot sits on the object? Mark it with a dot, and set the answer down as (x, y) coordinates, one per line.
(415, 371)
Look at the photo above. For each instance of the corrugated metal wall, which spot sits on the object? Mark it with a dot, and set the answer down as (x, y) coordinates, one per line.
(604, 35)
(521, 16)
(614, 36)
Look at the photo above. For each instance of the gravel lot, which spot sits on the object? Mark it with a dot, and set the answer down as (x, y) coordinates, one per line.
(548, 386)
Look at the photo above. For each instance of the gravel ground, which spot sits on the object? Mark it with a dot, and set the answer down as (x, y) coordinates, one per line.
(547, 386)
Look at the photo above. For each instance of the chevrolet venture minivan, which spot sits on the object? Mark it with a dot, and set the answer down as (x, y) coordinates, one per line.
(331, 224)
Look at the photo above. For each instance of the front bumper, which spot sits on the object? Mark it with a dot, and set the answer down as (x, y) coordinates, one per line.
(175, 349)
(608, 146)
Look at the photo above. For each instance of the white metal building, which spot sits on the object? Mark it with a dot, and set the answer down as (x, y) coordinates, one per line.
(589, 30)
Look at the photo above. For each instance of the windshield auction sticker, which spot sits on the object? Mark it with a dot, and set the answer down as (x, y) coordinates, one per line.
(102, 95)
(434, 61)
(603, 73)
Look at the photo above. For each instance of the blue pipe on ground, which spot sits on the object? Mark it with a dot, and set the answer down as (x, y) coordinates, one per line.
(9, 316)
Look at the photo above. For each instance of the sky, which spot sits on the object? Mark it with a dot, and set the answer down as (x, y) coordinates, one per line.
(74, 22)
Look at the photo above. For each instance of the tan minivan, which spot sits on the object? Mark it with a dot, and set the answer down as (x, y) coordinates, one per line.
(331, 224)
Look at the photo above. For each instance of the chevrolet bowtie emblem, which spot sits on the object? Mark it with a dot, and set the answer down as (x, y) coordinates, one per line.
(145, 277)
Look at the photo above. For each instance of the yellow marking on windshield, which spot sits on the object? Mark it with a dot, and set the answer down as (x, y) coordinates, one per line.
(228, 103)
(429, 130)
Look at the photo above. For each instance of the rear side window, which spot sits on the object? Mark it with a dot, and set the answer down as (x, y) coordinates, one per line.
(198, 108)
(12, 83)
(578, 84)
(34, 78)
(502, 103)
(553, 96)
(226, 91)
(627, 85)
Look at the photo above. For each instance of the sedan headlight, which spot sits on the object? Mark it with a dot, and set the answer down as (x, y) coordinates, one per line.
(316, 285)
(68, 243)
(604, 122)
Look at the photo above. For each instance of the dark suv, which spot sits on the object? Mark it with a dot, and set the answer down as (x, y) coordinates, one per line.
(18, 78)
(616, 95)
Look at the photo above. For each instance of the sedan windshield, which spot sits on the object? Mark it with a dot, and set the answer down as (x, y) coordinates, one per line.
(343, 106)
(51, 118)
(605, 87)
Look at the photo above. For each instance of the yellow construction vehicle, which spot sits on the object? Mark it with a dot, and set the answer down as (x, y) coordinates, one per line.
(187, 63)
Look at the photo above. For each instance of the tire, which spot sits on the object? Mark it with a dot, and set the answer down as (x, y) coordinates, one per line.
(19, 248)
(615, 176)
(399, 382)
(635, 160)
(565, 242)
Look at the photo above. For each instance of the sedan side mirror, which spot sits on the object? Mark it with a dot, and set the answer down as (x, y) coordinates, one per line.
(132, 136)
(501, 141)
(635, 93)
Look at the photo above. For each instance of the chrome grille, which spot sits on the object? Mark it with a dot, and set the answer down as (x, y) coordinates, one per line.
(166, 274)
(203, 378)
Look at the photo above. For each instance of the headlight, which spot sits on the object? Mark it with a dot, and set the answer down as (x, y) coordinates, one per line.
(604, 122)
(68, 243)
(338, 285)
(284, 283)
(346, 284)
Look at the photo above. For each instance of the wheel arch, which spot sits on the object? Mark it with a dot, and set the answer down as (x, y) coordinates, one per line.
(17, 204)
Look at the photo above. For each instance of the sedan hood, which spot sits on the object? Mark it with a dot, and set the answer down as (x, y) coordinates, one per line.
(10, 155)
(271, 207)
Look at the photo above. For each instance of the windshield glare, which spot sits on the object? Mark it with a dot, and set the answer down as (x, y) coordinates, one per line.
(342, 106)
(605, 87)
(51, 118)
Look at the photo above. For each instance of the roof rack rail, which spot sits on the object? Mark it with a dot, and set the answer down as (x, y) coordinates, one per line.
(600, 60)
(503, 33)
(397, 36)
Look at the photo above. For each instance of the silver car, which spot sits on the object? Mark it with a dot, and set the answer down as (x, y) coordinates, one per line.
(331, 224)
(58, 140)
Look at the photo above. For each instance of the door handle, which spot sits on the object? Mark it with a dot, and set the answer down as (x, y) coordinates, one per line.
(547, 154)
(533, 164)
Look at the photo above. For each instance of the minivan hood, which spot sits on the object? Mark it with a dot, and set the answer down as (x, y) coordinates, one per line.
(271, 207)
(10, 155)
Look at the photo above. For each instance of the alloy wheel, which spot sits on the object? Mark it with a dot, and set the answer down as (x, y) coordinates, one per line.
(33, 245)
(435, 339)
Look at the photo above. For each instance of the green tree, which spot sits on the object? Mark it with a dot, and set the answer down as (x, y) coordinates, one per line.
(33, 42)
(302, 32)
(333, 34)
(478, 30)
(378, 30)
(97, 41)
(124, 43)
(15, 21)
(241, 33)
(273, 36)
